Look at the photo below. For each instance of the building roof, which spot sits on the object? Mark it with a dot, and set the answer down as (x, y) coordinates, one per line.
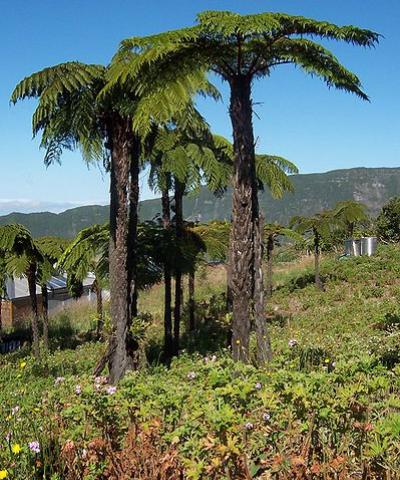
(18, 287)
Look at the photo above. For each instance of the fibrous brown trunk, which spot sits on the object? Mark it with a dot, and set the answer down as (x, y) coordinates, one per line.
(166, 219)
(1, 318)
(133, 222)
(120, 355)
(99, 307)
(317, 253)
(229, 298)
(31, 277)
(179, 190)
(45, 315)
(264, 353)
(270, 249)
(246, 237)
(192, 302)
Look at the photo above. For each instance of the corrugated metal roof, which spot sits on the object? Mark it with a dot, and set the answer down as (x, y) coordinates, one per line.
(18, 287)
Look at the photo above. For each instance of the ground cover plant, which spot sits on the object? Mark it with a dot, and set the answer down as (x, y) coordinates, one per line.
(326, 407)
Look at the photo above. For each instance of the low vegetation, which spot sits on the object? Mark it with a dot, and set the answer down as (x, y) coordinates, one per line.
(327, 406)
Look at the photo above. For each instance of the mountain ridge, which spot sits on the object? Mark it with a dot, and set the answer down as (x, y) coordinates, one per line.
(313, 192)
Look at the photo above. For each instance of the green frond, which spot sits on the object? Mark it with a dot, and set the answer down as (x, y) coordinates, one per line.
(272, 171)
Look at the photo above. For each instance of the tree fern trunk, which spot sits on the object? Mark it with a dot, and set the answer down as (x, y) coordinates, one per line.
(120, 355)
(45, 315)
(264, 353)
(318, 281)
(229, 297)
(133, 222)
(179, 190)
(99, 308)
(166, 218)
(31, 277)
(192, 302)
(270, 249)
(244, 216)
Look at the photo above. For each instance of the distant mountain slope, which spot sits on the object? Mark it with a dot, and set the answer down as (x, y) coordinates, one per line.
(313, 192)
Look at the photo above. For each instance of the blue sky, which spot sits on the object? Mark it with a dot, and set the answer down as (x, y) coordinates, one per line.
(297, 116)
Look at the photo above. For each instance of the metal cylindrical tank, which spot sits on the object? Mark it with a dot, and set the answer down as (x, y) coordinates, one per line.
(352, 247)
(368, 246)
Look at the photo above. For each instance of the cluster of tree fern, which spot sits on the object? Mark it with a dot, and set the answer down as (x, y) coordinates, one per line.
(139, 110)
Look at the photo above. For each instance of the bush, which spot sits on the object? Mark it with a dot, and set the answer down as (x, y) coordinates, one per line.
(388, 221)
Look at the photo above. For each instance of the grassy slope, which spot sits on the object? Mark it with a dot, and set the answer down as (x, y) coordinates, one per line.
(328, 404)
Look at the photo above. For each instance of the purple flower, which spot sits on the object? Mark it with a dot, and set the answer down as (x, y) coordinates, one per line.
(111, 390)
(100, 380)
(266, 417)
(191, 375)
(34, 447)
(258, 386)
(78, 389)
(292, 343)
(248, 426)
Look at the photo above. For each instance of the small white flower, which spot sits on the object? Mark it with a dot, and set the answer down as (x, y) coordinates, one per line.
(191, 375)
(266, 417)
(78, 389)
(292, 342)
(249, 426)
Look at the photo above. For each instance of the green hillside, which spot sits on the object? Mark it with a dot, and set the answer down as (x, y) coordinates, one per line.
(313, 192)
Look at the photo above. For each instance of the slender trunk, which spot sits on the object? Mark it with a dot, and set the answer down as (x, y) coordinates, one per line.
(179, 190)
(31, 277)
(166, 219)
(1, 317)
(120, 357)
(270, 249)
(318, 281)
(264, 353)
(229, 296)
(246, 244)
(192, 303)
(45, 315)
(133, 223)
(99, 308)
(351, 229)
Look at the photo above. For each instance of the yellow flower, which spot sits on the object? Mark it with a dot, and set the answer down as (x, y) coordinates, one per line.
(3, 474)
(237, 342)
(22, 365)
(16, 448)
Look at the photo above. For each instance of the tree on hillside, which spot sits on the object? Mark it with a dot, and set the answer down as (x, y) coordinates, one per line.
(88, 253)
(182, 157)
(388, 221)
(79, 108)
(350, 212)
(21, 258)
(50, 248)
(3, 287)
(241, 49)
(272, 232)
(318, 227)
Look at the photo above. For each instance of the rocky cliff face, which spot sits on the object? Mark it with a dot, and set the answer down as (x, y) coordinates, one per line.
(313, 193)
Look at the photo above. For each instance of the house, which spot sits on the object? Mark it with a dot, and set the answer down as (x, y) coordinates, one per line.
(16, 307)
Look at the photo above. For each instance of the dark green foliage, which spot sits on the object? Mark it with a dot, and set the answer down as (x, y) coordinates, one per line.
(388, 221)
